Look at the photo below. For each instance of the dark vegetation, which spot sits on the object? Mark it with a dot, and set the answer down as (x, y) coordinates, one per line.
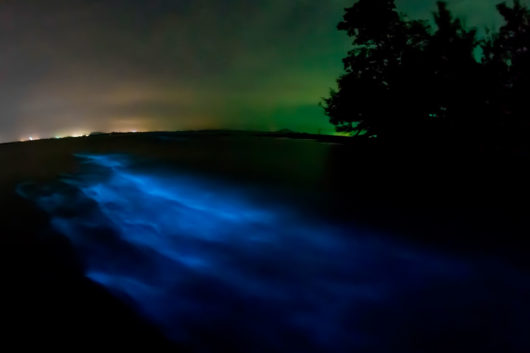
(438, 85)
(440, 120)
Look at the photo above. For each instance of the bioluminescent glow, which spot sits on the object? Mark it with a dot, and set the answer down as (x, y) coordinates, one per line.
(213, 267)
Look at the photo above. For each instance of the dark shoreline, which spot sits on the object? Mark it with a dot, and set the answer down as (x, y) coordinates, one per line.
(455, 205)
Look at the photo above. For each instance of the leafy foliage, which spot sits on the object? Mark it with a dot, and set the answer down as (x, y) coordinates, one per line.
(407, 81)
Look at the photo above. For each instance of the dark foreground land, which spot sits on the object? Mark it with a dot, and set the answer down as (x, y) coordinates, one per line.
(468, 207)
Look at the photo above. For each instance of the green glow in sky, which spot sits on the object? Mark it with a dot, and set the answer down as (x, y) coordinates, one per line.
(119, 65)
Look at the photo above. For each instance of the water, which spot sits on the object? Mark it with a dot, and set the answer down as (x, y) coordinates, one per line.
(214, 266)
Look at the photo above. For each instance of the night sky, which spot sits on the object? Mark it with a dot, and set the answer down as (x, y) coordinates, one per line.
(69, 67)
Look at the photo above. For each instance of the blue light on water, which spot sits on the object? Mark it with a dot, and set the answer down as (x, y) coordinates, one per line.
(202, 258)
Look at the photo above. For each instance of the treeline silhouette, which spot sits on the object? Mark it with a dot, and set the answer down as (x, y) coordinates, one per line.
(412, 83)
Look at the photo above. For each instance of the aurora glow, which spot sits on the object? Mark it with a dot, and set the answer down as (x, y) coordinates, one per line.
(203, 258)
(72, 66)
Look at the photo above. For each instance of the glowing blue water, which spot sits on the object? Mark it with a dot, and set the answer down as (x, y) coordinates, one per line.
(210, 265)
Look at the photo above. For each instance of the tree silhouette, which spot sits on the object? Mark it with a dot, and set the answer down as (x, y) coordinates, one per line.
(453, 74)
(507, 59)
(407, 82)
(382, 39)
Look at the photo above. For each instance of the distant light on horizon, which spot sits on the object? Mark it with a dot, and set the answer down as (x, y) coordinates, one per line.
(76, 134)
(29, 138)
(85, 133)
